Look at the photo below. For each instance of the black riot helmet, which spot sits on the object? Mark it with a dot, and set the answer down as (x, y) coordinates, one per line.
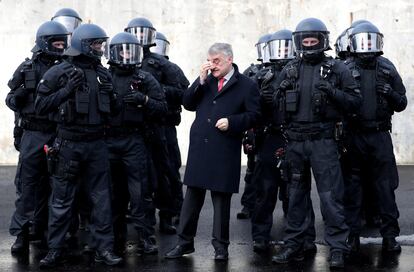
(262, 49)
(143, 29)
(162, 46)
(366, 38)
(89, 40)
(67, 17)
(281, 45)
(307, 29)
(51, 38)
(125, 50)
(342, 45)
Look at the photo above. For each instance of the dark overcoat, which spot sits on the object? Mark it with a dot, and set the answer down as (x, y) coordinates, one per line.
(214, 156)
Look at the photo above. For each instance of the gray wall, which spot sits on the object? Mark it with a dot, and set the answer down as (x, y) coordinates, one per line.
(191, 26)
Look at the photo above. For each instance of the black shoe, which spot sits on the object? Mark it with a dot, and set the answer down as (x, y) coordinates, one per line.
(107, 257)
(221, 254)
(336, 260)
(179, 250)
(260, 246)
(243, 214)
(148, 246)
(309, 248)
(288, 254)
(21, 245)
(353, 242)
(390, 245)
(53, 258)
(166, 226)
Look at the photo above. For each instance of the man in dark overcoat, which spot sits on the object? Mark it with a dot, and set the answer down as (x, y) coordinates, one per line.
(226, 104)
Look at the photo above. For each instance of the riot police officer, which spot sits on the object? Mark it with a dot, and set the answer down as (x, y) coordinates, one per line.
(369, 139)
(269, 139)
(141, 97)
(32, 178)
(79, 96)
(314, 91)
(173, 119)
(249, 140)
(173, 82)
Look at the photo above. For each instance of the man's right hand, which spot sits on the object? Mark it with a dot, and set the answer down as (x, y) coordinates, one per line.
(75, 80)
(285, 84)
(204, 71)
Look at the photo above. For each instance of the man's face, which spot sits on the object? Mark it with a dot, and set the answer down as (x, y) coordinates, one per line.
(310, 41)
(221, 64)
(125, 54)
(98, 45)
(59, 44)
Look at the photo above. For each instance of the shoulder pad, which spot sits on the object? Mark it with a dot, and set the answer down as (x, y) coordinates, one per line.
(141, 75)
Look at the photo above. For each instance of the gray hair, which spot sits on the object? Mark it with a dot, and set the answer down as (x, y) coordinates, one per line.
(223, 48)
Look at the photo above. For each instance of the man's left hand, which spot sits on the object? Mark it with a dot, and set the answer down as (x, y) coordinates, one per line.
(222, 124)
(326, 87)
(384, 89)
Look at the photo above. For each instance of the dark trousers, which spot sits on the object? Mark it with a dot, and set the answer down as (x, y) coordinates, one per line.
(190, 212)
(88, 160)
(249, 194)
(322, 156)
(267, 181)
(175, 163)
(375, 151)
(129, 171)
(32, 183)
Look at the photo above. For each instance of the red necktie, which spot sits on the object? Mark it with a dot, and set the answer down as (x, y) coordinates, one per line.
(220, 84)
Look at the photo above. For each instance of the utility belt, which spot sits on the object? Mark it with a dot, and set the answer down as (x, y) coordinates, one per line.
(309, 136)
(38, 125)
(81, 135)
(272, 130)
(371, 126)
(121, 131)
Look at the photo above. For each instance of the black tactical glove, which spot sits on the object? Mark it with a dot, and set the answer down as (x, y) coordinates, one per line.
(326, 87)
(285, 85)
(102, 74)
(75, 80)
(384, 88)
(135, 98)
(267, 95)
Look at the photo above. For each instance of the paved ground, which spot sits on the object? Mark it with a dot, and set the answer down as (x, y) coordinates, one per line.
(242, 257)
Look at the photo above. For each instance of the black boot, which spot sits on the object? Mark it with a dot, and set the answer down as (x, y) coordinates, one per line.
(288, 254)
(148, 245)
(179, 250)
(353, 242)
(21, 245)
(53, 258)
(260, 246)
(336, 260)
(389, 244)
(166, 225)
(107, 257)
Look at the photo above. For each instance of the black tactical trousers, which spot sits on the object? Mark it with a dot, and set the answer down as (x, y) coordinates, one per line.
(374, 150)
(161, 173)
(322, 157)
(267, 182)
(129, 172)
(88, 160)
(32, 183)
(249, 194)
(175, 163)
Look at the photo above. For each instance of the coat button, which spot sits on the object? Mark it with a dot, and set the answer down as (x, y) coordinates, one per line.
(206, 140)
(209, 120)
(214, 102)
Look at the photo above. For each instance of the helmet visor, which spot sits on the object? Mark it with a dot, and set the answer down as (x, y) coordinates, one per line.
(260, 47)
(126, 53)
(310, 41)
(281, 49)
(342, 43)
(95, 47)
(162, 47)
(145, 35)
(366, 42)
(71, 23)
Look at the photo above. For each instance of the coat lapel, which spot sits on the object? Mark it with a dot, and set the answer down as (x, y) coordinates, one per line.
(232, 81)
